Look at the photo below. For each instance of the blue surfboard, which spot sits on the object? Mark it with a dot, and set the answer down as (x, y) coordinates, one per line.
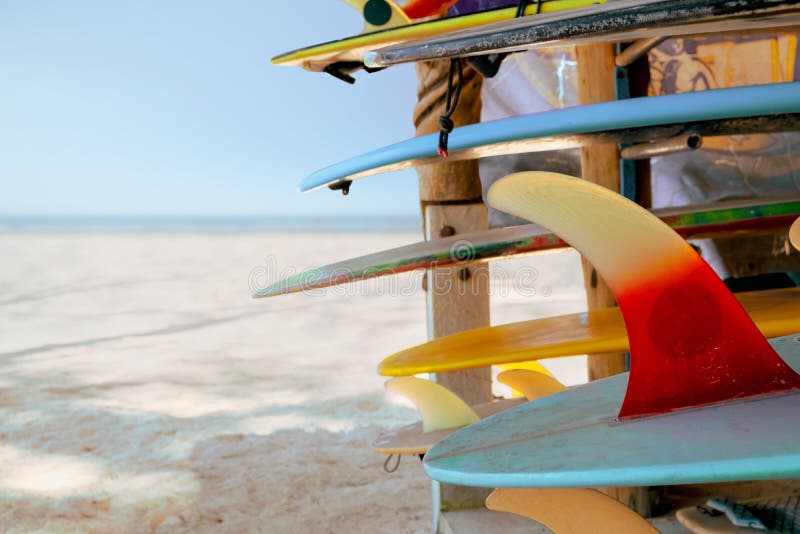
(754, 109)
(572, 439)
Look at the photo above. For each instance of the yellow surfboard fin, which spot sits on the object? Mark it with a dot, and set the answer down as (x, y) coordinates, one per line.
(570, 511)
(532, 365)
(531, 384)
(439, 407)
(379, 14)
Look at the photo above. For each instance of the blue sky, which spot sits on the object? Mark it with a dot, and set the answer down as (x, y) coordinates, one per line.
(172, 108)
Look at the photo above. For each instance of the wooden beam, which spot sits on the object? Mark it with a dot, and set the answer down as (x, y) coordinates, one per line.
(599, 164)
(458, 297)
(450, 198)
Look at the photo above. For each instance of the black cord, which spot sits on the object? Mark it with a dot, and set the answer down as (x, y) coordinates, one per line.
(396, 465)
(522, 4)
(451, 103)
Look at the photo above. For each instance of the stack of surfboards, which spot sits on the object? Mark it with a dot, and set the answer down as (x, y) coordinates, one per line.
(713, 390)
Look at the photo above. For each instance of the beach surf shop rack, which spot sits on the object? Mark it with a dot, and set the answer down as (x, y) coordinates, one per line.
(655, 79)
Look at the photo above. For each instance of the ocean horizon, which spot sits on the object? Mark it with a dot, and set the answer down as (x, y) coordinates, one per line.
(205, 224)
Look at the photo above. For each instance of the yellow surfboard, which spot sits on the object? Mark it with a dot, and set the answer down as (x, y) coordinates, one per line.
(352, 49)
(776, 312)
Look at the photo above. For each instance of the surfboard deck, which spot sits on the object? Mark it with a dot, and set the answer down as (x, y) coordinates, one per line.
(776, 312)
(691, 222)
(572, 439)
(614, 21)
(352, 49)
(739, 110)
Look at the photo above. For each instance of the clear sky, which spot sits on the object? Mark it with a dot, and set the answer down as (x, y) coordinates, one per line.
(161, 107)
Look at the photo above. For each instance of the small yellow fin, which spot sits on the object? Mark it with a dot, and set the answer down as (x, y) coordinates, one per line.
(532, 384)
(794, 234)
(440, 408)
(570, 511)
(532, 365)
(379, 14)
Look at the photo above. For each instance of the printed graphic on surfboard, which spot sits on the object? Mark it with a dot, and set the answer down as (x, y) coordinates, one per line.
(388, 23)
(616, 20)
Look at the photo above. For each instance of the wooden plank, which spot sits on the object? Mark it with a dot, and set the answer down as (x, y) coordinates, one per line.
(458, 297)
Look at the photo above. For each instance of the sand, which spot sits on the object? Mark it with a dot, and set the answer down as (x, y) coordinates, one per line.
(142, 390)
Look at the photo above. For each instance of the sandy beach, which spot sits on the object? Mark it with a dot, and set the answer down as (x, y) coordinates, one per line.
(143, 390)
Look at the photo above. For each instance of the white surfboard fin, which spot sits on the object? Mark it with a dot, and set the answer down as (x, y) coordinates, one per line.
(379, 14)
(573, 511)
(794, 234)
(439, 407)
(531, 384)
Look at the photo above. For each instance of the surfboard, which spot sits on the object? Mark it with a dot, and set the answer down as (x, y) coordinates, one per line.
(443, 412)
(624, 20)
(707, 398)
(767, 108)
(757, 215)
(348, 52)
(775, 514)
(701, 521)
(776, 312)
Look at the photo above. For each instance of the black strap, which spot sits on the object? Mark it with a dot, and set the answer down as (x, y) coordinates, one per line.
(450, 104)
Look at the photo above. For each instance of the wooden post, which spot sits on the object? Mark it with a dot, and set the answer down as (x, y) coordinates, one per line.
(458, 297)
(600, 164)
